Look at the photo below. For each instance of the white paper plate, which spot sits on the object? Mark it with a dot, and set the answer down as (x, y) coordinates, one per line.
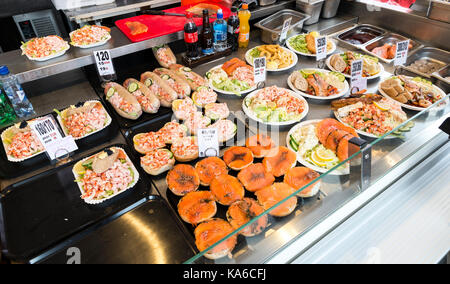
(250, 113)
(301, 160)
(100, 43)
(249, 60)
(328, 62)
(333, 47)
(136, 179)
(67, 133)
(340, 94)
(61, 53)
(227, 92)
(406, 105)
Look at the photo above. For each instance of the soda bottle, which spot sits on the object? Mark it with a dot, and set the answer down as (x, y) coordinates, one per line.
(15, 93)
(244, 29)
(191, 37)
(233, 29)
(220, 32)
(207, 35)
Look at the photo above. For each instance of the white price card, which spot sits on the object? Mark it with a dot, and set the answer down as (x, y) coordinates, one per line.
(357, 79)
(208, 142)
(104, 62)
(49, 134)
(321, 48)
(401, 52)
(284, 31)
(260, 69)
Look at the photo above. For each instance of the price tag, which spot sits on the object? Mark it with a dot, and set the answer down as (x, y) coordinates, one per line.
(401, 52)
(208, 142)
(259, 69)
(284, 31)
(357, 80)
(104, 63)
(321, 48)
(51, 138)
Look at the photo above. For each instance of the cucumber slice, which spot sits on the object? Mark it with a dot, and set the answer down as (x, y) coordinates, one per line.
(208, 75)
(293, 145)
(148, 82)
(133, 87)
(110, 93)
(294, 141)
(165, 77)
(186, 69)
(202, 88)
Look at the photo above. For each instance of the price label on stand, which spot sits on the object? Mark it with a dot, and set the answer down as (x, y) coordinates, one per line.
(104, 63)
(260, 69)
(401, 52)
(321, 48)
(357, 80)
(49, 134)
(284, 31)
(208, 142)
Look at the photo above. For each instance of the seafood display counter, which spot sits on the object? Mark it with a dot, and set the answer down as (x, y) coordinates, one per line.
(299, 154)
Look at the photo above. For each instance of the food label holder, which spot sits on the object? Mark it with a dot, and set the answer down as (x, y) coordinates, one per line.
(105, 66)
(360, 167)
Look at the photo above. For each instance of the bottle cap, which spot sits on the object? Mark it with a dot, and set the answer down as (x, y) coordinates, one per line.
(189, 15)
(205, 11)
(245, 6)
(4, 70)
(234, 9)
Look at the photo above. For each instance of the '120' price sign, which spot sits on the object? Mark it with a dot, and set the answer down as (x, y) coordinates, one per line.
(104, 62)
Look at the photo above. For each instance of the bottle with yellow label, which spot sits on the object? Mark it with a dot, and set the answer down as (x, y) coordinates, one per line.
(244, 30)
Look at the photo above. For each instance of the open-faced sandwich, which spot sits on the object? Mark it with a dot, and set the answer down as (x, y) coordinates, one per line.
(147, 142)
(21, 143)
(203, 96)
(84, 119)
(185, 149)
(160, 88)
(125, 104)
(148, 101)
(173, 131)
(183, 108)
(105, 175)
(157, 161)
(194, 80)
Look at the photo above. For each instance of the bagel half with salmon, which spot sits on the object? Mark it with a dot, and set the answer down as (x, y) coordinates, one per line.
(149, 102)
(124, 103)
(160, 88)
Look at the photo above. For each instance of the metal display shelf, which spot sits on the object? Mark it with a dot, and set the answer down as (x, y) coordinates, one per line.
(27, 70)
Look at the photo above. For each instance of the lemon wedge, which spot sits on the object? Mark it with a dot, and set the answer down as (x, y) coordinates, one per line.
(317, 161)
(79, 169)
(381, 106)
(324, 155)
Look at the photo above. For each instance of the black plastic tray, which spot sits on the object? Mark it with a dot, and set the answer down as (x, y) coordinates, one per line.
(42, 211)
(148, 234)
(10, 170)
(127, 68)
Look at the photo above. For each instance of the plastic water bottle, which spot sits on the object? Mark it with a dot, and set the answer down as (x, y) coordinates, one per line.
(220, 32)
(15, 93)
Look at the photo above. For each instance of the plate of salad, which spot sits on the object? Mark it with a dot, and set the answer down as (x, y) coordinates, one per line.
(318, 84)
(234, 77)
(303, 140)
(304, 44)
(275, 106)
(90, 36)
(44, 48)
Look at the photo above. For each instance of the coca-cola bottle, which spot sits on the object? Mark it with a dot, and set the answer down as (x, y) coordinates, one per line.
(191, 37)
(233, 29)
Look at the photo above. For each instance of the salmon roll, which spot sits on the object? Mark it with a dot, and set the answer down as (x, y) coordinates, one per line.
(212, 231)
(183, 179)
(196, 207)
(271, 195)
(227, 189)
(210, 168)
(279, 161)
(242, 212)
(255, 177)
(260, 145)
(298, 177)
(238, 158)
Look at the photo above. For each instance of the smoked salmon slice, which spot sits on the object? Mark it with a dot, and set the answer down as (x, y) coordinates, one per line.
(298, 177)
(260, 145)
(227, 189)
(238, 157)
(333, 139)
(183, 179)
(209, 168)
(327, 125)
(342, 148)
(271, 195)
(136, 28)
(255, 177)
(196, 207)
(242, 212)
(279, 161)
(212, 231)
